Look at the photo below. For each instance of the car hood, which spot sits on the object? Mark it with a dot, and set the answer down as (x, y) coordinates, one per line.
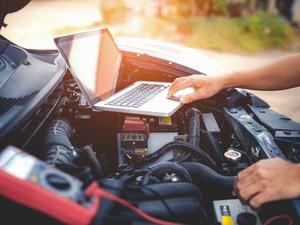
(189, 57)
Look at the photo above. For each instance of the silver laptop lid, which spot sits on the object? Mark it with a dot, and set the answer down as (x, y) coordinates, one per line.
(94, 61)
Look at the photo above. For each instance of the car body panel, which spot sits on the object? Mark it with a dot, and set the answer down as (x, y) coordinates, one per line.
(189, 57)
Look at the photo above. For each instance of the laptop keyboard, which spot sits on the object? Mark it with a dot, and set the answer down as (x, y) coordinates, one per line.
(138, 96)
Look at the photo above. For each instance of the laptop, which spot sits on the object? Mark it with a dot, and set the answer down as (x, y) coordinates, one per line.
(94, 60)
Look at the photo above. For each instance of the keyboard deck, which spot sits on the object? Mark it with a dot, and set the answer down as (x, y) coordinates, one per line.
(138, 96)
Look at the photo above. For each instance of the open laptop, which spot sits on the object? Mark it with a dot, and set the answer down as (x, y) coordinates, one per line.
(94, 61)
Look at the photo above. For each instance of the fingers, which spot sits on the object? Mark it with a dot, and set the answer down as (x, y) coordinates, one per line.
(248, 192)
(246, 187)
(267, 180)
(240, 185)
(179, 85)
(254, 194)
(175, 82)
(258, 200)
(204, 87)
(252, 185)
(241, 180)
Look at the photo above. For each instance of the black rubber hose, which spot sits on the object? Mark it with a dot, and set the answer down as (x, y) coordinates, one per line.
(193, 115)
(161, 168)
(182, 145)
(215, 151)
(207, 178)
(57, 148)
(95, 165)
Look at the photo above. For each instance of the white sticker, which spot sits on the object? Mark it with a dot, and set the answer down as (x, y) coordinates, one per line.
(16, 162)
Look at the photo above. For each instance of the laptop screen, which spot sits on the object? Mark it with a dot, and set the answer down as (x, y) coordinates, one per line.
(94, 61)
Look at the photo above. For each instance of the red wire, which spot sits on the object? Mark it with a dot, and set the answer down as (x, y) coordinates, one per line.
(279, 217)
(128, 205)
(154, 220)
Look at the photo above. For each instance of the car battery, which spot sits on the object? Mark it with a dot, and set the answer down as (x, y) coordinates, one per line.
(140, 136)
(133, 136)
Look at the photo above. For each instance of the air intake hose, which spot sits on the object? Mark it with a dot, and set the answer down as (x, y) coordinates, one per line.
(209, 180)
(57, 146)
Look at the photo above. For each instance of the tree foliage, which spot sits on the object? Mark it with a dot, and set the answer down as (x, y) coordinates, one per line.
(229, 8)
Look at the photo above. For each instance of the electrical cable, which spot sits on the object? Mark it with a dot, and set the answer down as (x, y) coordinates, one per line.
(202, 210)
(107, 195)
(161, 199)
(95, 164)
(279, 217)
(138, 188)
(193, 128)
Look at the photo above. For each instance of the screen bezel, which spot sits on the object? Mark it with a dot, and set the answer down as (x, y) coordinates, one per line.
(62, 39)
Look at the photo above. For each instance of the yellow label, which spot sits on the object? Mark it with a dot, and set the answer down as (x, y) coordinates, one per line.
(227, 220)
(165, 120)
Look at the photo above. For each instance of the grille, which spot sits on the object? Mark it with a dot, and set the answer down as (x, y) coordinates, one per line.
(7, 103)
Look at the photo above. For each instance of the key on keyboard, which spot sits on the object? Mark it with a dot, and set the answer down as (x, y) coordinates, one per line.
(138, 96)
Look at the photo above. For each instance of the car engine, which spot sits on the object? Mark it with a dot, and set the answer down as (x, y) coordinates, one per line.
(179, 168)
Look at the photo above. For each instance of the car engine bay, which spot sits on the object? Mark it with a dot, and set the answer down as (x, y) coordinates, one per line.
(180, 168)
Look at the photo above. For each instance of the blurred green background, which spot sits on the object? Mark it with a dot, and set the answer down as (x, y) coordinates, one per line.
(239, 26)
(246, 26)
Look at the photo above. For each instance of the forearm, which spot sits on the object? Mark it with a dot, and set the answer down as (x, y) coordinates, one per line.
(281, 74)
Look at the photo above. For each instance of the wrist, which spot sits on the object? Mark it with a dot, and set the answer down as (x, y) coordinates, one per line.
(229, 80)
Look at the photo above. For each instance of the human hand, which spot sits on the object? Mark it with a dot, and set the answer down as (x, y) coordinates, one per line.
(268, 180)
(204, 87)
